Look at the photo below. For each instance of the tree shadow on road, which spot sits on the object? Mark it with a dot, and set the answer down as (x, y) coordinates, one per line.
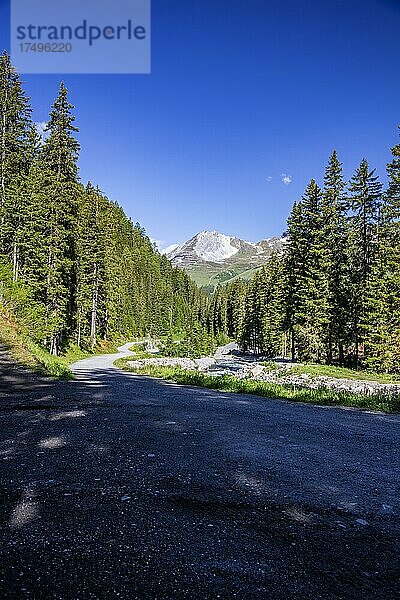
(120, 482)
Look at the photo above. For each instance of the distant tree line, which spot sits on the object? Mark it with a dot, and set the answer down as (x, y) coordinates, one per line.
(333, 294)
(73, 267)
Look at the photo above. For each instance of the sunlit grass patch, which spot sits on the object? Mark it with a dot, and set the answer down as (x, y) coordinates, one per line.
(229, 383)
(315, 370)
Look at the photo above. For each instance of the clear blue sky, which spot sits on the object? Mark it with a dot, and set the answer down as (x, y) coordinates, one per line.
(241, 91)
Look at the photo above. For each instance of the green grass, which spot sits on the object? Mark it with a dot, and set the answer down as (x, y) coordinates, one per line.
(227, 383)
(53, 366)
(34, 357)
(136, 356)
(209, 276)
(29, 354)
(341, 373)
(75, 353)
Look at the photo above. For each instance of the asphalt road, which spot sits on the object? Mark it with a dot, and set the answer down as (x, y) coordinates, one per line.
(120, 486)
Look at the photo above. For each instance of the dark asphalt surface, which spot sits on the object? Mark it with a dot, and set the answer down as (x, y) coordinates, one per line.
(119, 486)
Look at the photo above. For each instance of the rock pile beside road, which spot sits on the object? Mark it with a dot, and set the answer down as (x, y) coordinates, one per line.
(284, 376)
(222, 364)
(192, 364)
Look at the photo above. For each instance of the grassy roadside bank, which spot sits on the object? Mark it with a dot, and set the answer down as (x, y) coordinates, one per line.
(315, 370)
(31, 355)
(227, 383)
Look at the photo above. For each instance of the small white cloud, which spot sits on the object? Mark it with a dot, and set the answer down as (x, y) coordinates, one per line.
(286, 179)
(269, 178)
(40, 127)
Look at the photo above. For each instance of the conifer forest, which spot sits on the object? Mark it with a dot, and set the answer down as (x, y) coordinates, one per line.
(75, 270)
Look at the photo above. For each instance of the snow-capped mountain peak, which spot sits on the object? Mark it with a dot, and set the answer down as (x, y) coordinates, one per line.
(213, 246)
(206, 246)
(212, 257)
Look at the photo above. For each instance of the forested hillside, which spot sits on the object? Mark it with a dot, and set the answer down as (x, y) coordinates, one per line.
(333, 294)
(73, 267)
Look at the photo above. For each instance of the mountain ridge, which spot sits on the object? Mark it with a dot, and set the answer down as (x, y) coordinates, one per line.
(212, 257)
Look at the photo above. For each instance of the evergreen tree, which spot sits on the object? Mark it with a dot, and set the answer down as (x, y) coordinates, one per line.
(20, 210)
(382, 328)
(14, 145)
(61, 149)
(90, 267)
(260, 329)
(219, 310)
(252, 326)
(314, 307)
(60, 271)
(14, 125)
(307, 302)
(235, 293)
(334, 210)
(294, 266)
(364, 203)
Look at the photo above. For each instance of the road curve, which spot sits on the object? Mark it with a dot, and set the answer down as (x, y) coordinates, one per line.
(121, 486)
(100, 361)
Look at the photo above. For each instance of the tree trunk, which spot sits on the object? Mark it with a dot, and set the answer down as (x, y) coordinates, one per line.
(330, 350)
(94, 308)
(356, 351)
(341, 354)
(54, 345)
(15, 261)
(79, 327)
(293, 347)
(3, 152)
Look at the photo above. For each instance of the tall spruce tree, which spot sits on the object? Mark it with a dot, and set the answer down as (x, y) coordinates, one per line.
(59, 155)
(382, 329)
(15, 122)
(90, 267)
(273, 300)
(14, 150)
(235, 293)
(334, 237)
(314, 289)
(294, 266)
(307, 301)
(364, 203)
(261, 325)
(61, 149)
(253, 323)
(20, 211)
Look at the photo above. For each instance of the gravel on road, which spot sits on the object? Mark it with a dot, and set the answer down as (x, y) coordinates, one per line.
(121, 486)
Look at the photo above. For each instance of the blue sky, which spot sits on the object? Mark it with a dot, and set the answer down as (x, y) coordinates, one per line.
(242, 95)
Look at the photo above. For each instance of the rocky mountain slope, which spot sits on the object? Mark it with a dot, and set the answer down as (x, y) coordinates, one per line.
(210, 257)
